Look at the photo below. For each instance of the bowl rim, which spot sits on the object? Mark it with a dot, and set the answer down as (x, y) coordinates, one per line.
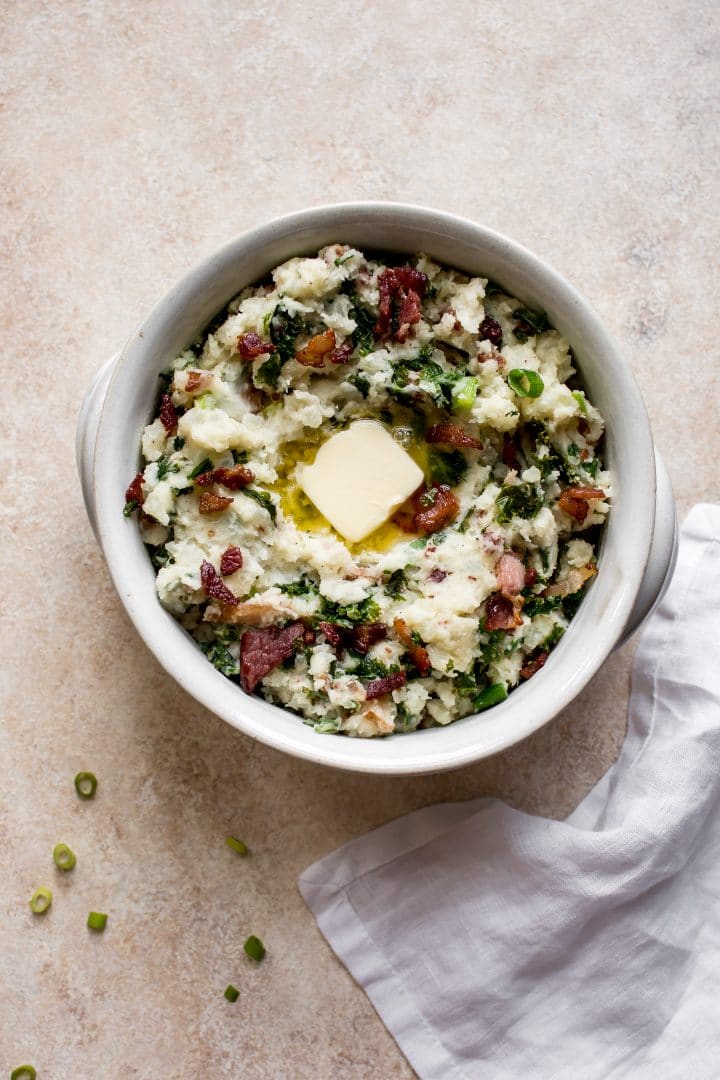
(528, 707)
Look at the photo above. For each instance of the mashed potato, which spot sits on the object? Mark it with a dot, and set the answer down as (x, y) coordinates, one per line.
(465, 591)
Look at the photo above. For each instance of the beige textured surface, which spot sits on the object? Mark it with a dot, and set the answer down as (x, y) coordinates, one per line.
(136, 138)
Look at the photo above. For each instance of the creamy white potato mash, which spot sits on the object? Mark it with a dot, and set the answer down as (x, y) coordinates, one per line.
(453, 596)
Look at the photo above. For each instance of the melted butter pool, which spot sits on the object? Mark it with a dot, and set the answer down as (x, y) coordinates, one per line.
(298, 507)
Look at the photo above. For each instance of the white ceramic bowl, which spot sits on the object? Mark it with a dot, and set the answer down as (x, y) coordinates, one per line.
(639, 543)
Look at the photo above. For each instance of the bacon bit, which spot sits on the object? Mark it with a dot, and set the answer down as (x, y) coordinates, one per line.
(262, 650)
(501, 613)
(509, 453)
(231, 561)
(530, 667)
(584, 455)
(168, 414)
(134, 492)
(197, 380)
(316, 350)
(451, 435)
(252, 345)
(402, 287)
(334, 635)
(213, 504)
(510, 574)
(490, 330)
(384, 685)
(572, 582)
(531, 575)
(309, 636)
(367, 634)
(342, 354)
(215, 587)
(574, 501)
(234, 478)
(438, 575)
(418, 653)
(435, 508)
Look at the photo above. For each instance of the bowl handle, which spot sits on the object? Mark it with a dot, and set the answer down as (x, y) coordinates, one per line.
(86, 435)
(663, 554)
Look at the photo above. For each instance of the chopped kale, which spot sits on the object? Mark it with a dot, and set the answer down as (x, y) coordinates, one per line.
(530, 322)
(284, 330)
(269, 372)
(465, 523)
(202, 467)
(571, 603)
(554, 636)
(420, 542)
(540, 605)
(164, 466)
(239, 456)
(367, 667)
(395, 585)
(326, 726)
(159, 557)
(491, 649)
(219, 655)
(591, 467)
(360, 382)
(348, 615)
(166, 377)
(178, 442)
(130, 507)
(438, 380)
(518, 500)
(262, 499)
(363, 337)
(447, 466)
(303, 587)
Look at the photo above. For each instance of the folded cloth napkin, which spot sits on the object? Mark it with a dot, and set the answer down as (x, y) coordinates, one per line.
(495, 944)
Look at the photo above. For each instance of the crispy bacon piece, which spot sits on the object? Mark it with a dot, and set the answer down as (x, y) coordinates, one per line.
(401, 288)
(385, 684)
(501, 613)
(367, 634)
(334, 635)
(134, 492)
(510, 574)
(213, 504)
(418, 653)
(574, 500)
(234, 478)
(436, 507)
(531, 666)
(214, 586)
(509, 453)
(315, 352)
(252, 345)
(490, 330)
(262, 650)
(438, 575)
(231, 561)
(531, 575)
(341, 354)
(451, 435)
(168, 414)
(197, 380)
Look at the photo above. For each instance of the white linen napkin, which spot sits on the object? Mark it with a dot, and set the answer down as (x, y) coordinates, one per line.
(495, 944)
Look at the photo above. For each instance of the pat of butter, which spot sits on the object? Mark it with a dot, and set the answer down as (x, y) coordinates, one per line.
(359, 478)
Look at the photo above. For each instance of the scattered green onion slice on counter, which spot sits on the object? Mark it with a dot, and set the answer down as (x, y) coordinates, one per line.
(237, 845)
(525, 383)
(231, 993)
(40, 900)
(254, 948)
(491, 695)
(64, 857)
(23, 1072)
(86, 785)
(96, 920)
(464, 392)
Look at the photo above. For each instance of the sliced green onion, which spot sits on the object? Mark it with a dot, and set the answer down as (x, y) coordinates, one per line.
(205, 401)
(96, 920)
(254, 948)
(581, 400)
(491, 695)
(86, 785)
(40, 900)
(237, 845)
(525, 383)
(231, 993)
(464, 392)
(23, 1072)
(64, 857)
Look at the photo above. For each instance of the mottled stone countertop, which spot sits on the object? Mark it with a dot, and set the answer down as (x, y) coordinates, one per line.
(138, 137)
